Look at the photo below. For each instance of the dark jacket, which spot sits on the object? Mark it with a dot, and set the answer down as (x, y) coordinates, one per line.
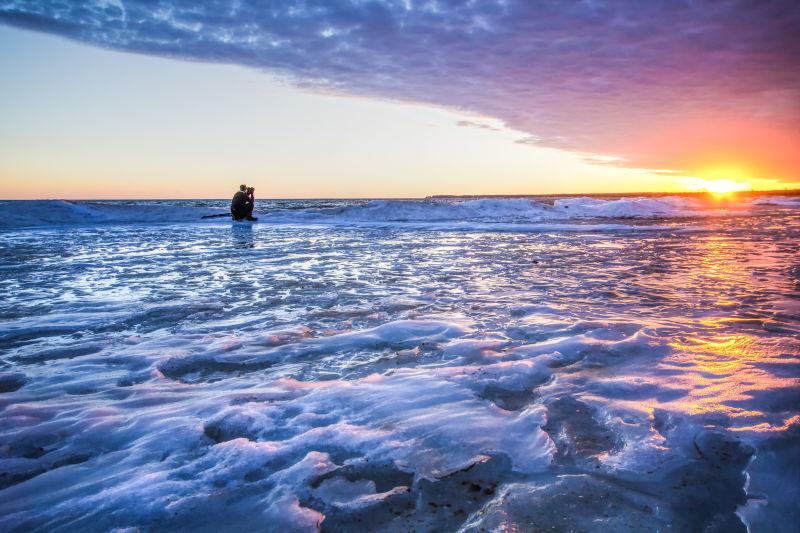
(239, 203)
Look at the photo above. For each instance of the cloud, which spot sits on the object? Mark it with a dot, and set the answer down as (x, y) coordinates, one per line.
(619, 78)
(478, 125)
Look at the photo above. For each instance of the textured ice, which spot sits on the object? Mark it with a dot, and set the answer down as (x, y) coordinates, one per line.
(486, 214)
(336, 369)
(61, 212)
(667, 207)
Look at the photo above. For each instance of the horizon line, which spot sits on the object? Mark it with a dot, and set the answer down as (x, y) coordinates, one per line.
(794, 191)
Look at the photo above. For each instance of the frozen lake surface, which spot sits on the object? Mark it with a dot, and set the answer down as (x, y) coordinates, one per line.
(583, 364)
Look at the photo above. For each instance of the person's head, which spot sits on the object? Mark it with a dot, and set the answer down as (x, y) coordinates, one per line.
(242, 188)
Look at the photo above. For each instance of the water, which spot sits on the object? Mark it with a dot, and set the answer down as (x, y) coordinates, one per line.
(580, 364)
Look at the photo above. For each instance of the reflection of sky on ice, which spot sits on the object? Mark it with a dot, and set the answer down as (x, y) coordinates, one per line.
(187, 375)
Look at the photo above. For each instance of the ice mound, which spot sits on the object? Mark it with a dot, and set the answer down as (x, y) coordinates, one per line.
(481, 210)
(570, 503)
(496, 213)
(278, 453)
(386, 441)
(665, 207)
(21, 214)
(425, 423)
(396, 335)
(482, 214)
(782, 201)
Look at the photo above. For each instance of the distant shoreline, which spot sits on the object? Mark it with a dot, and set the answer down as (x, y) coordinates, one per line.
(779, 192)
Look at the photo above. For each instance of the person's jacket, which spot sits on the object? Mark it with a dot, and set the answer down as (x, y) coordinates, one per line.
(240, 200)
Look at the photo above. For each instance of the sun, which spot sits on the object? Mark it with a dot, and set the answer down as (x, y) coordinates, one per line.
(723, 186)
(720, 179)
(717, 186)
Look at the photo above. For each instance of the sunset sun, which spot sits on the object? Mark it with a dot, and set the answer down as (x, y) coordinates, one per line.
(720, 180)
(719, 186)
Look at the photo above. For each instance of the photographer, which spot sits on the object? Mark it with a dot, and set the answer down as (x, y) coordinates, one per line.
(243, 202)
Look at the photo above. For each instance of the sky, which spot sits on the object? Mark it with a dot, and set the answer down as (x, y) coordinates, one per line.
(360, 98)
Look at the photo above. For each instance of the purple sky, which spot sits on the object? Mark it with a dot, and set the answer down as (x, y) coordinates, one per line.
(663, 84)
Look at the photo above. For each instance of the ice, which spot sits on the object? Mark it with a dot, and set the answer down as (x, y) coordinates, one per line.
(784, 201)
(483, 214)
(235, 355)
(11, 381)
(631, 207)
(517, 211)
(396, 366)
(59, 212)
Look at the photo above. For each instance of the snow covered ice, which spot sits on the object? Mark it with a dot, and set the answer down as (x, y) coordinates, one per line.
(581, 364)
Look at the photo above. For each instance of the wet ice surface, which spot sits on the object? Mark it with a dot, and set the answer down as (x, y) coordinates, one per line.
(294, 377)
